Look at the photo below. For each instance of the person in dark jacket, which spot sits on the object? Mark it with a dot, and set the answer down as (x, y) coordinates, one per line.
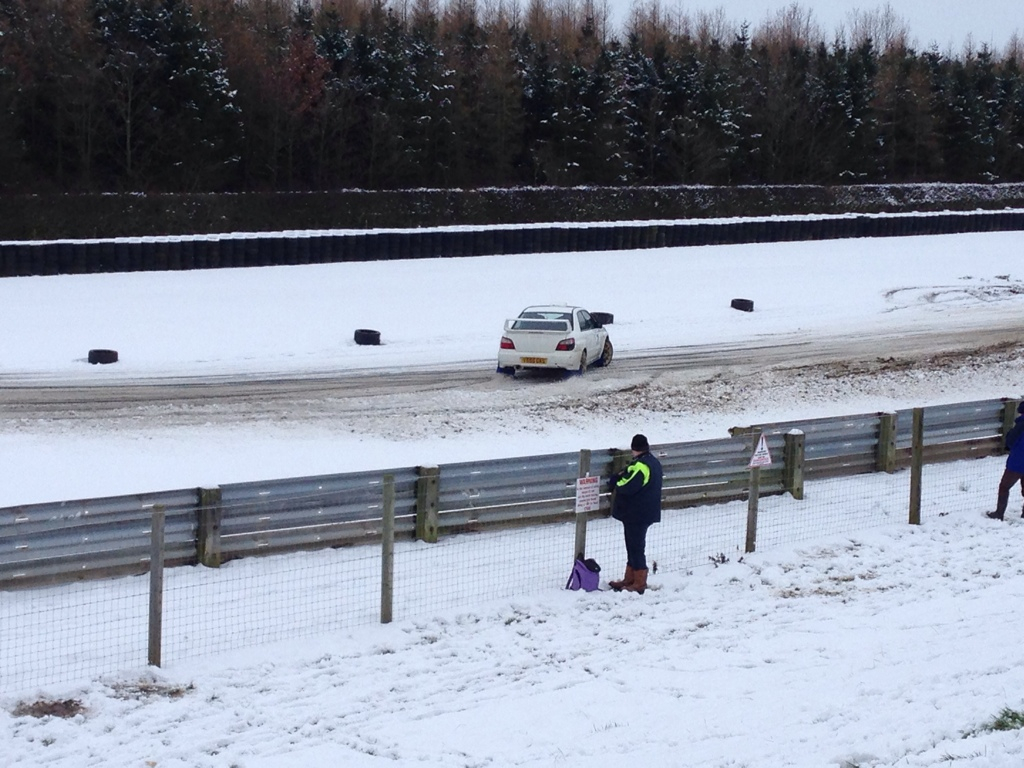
(637, 504)
(1014, 465)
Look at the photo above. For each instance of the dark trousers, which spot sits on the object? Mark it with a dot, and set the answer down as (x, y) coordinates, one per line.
(1007, 482)
(636, 545)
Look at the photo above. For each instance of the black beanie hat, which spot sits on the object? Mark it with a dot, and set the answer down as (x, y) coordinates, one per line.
(639, 443)
(1020, 407)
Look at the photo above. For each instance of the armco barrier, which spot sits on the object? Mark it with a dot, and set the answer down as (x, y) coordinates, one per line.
(332, 510)
(93, 538)
(65, 541)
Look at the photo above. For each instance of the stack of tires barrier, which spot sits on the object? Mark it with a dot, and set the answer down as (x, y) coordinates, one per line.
(68, 257)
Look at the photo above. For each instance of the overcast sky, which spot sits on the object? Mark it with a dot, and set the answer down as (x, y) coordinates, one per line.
(948, 23)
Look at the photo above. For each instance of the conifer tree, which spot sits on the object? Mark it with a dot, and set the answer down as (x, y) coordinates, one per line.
(171, 112)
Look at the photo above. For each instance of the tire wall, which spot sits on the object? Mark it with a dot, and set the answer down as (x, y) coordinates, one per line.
(260, 250)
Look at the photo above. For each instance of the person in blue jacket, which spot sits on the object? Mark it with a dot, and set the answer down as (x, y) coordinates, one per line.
(1014, 471)
(637, 504)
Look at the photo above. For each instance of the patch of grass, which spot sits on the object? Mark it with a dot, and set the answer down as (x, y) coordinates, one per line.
(67, 708)
(1007, 720)
(145, 689)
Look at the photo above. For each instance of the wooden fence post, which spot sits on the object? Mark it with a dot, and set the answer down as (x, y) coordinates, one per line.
(916, 464)
(752, 497)
(427, 488)
(581, 515)
(156, 585)
(1009, 417)
(793, 463)
(885, 456)
(620, 460)
(387, 560)
(208, 532)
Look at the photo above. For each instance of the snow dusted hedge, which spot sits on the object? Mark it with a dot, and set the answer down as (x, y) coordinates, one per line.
(52, 217)
(134, 254)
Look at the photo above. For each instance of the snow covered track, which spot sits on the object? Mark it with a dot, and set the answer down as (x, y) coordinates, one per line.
(237, 375)
(313, 395)
(883, 648)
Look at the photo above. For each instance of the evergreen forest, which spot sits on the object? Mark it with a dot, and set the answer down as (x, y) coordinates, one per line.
(296, 95)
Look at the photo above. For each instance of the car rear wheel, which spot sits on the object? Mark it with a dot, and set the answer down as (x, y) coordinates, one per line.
(583, 363)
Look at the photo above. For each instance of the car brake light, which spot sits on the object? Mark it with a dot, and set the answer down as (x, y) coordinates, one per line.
(566, 344)
(506, 343)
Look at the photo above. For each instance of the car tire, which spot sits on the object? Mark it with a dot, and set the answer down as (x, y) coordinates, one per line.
(603, 318)
(102, 356)
(744, 305)
(366, 337)
(508, 370)
(583, 363)
(606, 354)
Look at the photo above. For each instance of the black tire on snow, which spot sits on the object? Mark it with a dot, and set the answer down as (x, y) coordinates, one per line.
(744, 305)
(606, 354)
(603, 318)
(102, 356)
(366, 337)
(508, 370)
(582, 369)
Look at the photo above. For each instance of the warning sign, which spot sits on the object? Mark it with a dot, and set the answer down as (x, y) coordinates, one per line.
(588, 494)
(761, 457)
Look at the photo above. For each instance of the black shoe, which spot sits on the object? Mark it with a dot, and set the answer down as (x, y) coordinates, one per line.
(995, 515)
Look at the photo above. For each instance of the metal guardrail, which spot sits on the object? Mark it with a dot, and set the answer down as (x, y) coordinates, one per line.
(957, 431)
(68, 540)
(712, 471)
(23, 258)
(505, 492)
(298, 513)
(96, 538)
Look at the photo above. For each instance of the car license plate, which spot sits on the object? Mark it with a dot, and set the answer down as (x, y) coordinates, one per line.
(533, 360)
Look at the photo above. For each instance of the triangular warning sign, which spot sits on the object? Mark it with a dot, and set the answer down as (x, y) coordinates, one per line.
(761, 457)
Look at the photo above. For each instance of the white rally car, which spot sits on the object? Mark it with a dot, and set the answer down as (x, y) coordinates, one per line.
(554, 337)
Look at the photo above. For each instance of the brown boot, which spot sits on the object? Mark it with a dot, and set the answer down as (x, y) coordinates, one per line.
(639, 582)
(626, 580)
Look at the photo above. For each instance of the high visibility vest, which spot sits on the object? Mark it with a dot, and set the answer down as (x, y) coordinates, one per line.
(632, 470)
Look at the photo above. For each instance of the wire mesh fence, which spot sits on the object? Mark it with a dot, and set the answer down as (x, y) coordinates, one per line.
(833, 507)
(469, 533)
(968, 486)
(59, 635)
(263, 600)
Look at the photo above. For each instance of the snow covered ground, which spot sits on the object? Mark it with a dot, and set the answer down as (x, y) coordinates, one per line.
(895, 647)
(885, 647)
(437, 313)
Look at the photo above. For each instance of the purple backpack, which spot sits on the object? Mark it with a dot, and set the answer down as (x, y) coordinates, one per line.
(584, 575)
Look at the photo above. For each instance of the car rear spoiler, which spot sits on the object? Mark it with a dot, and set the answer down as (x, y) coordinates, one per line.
(530, 324)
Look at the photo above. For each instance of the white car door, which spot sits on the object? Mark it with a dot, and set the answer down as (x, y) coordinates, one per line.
(590, 335)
